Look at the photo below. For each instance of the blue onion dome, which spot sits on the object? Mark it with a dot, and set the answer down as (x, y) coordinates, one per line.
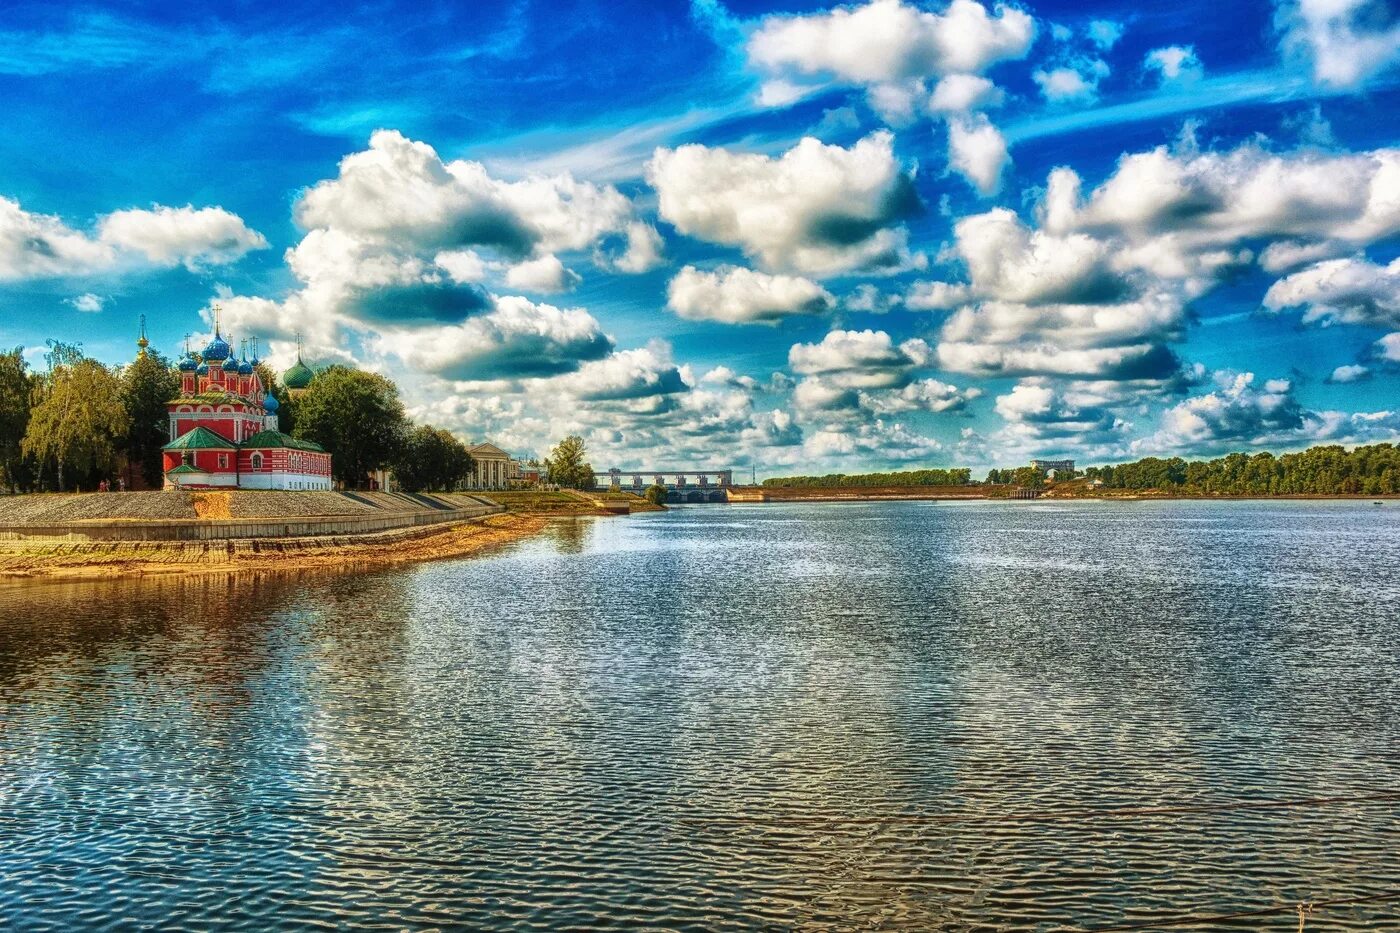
(299, 376)
(188, 365)
(230, 365)
(203, 369)
(245, 368)
(218, 349)
(270, 402)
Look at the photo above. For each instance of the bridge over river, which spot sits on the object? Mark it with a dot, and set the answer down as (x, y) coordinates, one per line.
(681, 485)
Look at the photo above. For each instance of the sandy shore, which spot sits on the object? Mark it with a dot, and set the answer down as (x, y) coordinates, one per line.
(62, 560)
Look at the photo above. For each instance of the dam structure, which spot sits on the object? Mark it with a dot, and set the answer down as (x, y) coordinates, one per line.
(682, 486)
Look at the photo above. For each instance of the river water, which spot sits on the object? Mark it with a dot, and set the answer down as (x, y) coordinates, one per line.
(898, 715)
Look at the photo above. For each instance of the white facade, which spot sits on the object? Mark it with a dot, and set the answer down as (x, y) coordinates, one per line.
(284, 481)
(491, 467)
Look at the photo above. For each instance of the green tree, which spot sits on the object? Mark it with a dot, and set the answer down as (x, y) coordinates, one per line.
(1028, 477)
(148, 386)
(432, 459)
(78, 420)
(17, 386)
(358, 417)
(566, 466)
(656, 494)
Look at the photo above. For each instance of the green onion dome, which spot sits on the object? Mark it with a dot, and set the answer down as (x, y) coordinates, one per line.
(299, 376)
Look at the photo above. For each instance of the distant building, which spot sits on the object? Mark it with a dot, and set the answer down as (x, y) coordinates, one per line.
(491, 467)
(1053, 467)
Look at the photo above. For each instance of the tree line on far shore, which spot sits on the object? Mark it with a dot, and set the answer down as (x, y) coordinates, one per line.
(1327, 470)
(942, 477)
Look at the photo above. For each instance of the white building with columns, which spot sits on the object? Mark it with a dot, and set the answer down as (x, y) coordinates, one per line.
(491, 467)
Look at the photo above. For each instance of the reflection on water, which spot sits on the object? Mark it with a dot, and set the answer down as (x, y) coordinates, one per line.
(723, 717)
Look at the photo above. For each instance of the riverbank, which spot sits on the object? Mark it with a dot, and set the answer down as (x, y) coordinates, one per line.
(51, 560)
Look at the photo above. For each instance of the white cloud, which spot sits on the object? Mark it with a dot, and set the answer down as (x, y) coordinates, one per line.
(1347, 41)
(398, 193)
(463, 265)
(1342, 291)
(169, 236)
(888, 41)
(736, 295)
(1239, 414)
(626, 375)
(1388, 348)
(87, 302)
(1075, 82)
(643, 253)
(817, 209)
(961, 93)
(1038, 413)
(546, 274)
(859, 359)
(43, 246)
(977, 150)
(517, 339)
(1175, 63)
(1350, 373)
(921, 395)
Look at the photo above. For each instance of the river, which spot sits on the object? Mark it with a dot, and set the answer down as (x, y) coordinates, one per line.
(900, 715)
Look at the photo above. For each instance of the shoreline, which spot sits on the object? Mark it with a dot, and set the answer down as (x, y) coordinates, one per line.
(51, 561)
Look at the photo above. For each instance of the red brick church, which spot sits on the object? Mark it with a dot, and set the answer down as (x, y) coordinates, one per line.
(223, 427)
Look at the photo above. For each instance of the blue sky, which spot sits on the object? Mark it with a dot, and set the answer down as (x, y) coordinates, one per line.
(803, 236)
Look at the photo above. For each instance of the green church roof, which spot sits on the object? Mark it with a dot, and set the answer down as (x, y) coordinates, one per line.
(264, 439)
(299, 376)
(201, 438)
(181, 469)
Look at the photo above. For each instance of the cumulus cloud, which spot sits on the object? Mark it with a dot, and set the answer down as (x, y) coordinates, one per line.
(1387, 348)
(645, 372)
(887, 41)
(1074, 82)
(1175, 63)
(87, 302)
(817, 209)
(400, 192)
(1346, 41)
(921, 395)
(977, 151)
(859, 359)
(168, 236)
(643, 252)
(546, 274)
(1350, 373)
(736, 295)
(961, 93)
(1239, 412)
(1100, 289)
(34, 246)
(517, 339)
(1200, 201)
(1341, 291)
(1037, 412)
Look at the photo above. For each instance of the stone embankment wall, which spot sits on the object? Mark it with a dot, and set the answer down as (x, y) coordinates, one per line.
(228, 516)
